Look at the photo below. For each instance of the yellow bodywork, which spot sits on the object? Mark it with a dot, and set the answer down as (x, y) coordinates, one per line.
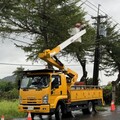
(85, 93)
(34, 108)
(31, 99)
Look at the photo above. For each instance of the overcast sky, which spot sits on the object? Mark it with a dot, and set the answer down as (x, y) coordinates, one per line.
(10, 54)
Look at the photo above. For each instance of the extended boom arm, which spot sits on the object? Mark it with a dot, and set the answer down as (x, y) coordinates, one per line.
(49, 55)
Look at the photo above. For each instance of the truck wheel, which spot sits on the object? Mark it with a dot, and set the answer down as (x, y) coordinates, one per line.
(89, 108)
(58, 113)
(94, 108)
(32, 116)
(67, 115)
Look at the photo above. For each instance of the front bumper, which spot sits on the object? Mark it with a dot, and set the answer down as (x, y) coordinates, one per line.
(35, 108)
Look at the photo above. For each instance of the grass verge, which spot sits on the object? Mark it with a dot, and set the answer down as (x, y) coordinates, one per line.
(99, 108)
(10, 109)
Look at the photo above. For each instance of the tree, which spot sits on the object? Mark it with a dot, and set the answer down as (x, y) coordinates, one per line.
(19, 75)
(107, 93)
(49, 22)
(6, 86)
(110, 54)
(80, 51)
(7, 90)
(118, 94)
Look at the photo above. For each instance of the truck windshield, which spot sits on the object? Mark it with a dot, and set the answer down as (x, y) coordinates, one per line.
(36, 82)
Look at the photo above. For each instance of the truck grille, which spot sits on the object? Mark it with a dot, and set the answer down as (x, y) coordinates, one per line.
(33, 100)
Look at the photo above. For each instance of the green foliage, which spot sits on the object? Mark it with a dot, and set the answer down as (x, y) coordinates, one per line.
(12, 94)
(10, 109)
(19, 74)
(118, 94)
(108, 87)
(107, 93)
(6, 86)
(100, 108)
(111, 59)
(110, 51)
(8, 90)
(90, 81)
(49, 21)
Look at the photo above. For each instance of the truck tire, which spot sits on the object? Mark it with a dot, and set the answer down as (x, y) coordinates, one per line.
(89, 108)
(58, 113)
(67, 115)
(32, 116)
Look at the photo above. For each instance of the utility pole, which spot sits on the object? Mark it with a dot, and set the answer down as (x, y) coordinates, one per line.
(97, 48)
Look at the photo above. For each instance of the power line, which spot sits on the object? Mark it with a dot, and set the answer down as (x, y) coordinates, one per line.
(90, 7)
(100, 11)
(83, 2)
(110, 17)
(15, 64)
(92, 4)
(13, 39)
(95, 6)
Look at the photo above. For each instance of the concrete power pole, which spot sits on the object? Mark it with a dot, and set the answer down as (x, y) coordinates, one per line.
(97, 47)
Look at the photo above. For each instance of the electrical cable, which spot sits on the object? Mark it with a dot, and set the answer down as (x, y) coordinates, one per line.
(15, 64)
(13, 39)
(100, 11)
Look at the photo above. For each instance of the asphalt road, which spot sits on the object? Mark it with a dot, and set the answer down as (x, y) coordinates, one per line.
(101, 115)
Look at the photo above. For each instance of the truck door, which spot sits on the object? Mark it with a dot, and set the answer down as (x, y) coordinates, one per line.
(56, 88)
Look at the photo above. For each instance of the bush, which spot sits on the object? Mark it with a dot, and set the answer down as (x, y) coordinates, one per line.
(10, 109)
(107, 94)
(12, 94)
(6, 86)
(118, 94)
(8, 90)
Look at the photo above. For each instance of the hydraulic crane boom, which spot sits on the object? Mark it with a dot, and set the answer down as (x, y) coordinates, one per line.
(49, 55)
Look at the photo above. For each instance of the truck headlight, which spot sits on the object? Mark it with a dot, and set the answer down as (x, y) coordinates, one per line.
(45, 99)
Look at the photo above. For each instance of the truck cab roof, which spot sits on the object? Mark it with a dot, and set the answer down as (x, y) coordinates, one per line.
(41, 71)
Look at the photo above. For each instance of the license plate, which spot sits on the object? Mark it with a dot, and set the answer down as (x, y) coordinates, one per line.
(30, 107)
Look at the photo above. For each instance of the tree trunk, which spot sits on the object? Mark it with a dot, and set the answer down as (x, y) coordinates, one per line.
(113, 90)
(114, 84)
(83, 64)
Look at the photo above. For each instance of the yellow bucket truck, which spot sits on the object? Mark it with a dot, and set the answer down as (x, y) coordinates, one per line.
(51, 91)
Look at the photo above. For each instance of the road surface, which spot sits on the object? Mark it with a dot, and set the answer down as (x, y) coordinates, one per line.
(101, 115)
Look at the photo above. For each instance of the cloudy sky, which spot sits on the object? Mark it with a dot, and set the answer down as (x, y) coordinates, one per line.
(10, 54)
